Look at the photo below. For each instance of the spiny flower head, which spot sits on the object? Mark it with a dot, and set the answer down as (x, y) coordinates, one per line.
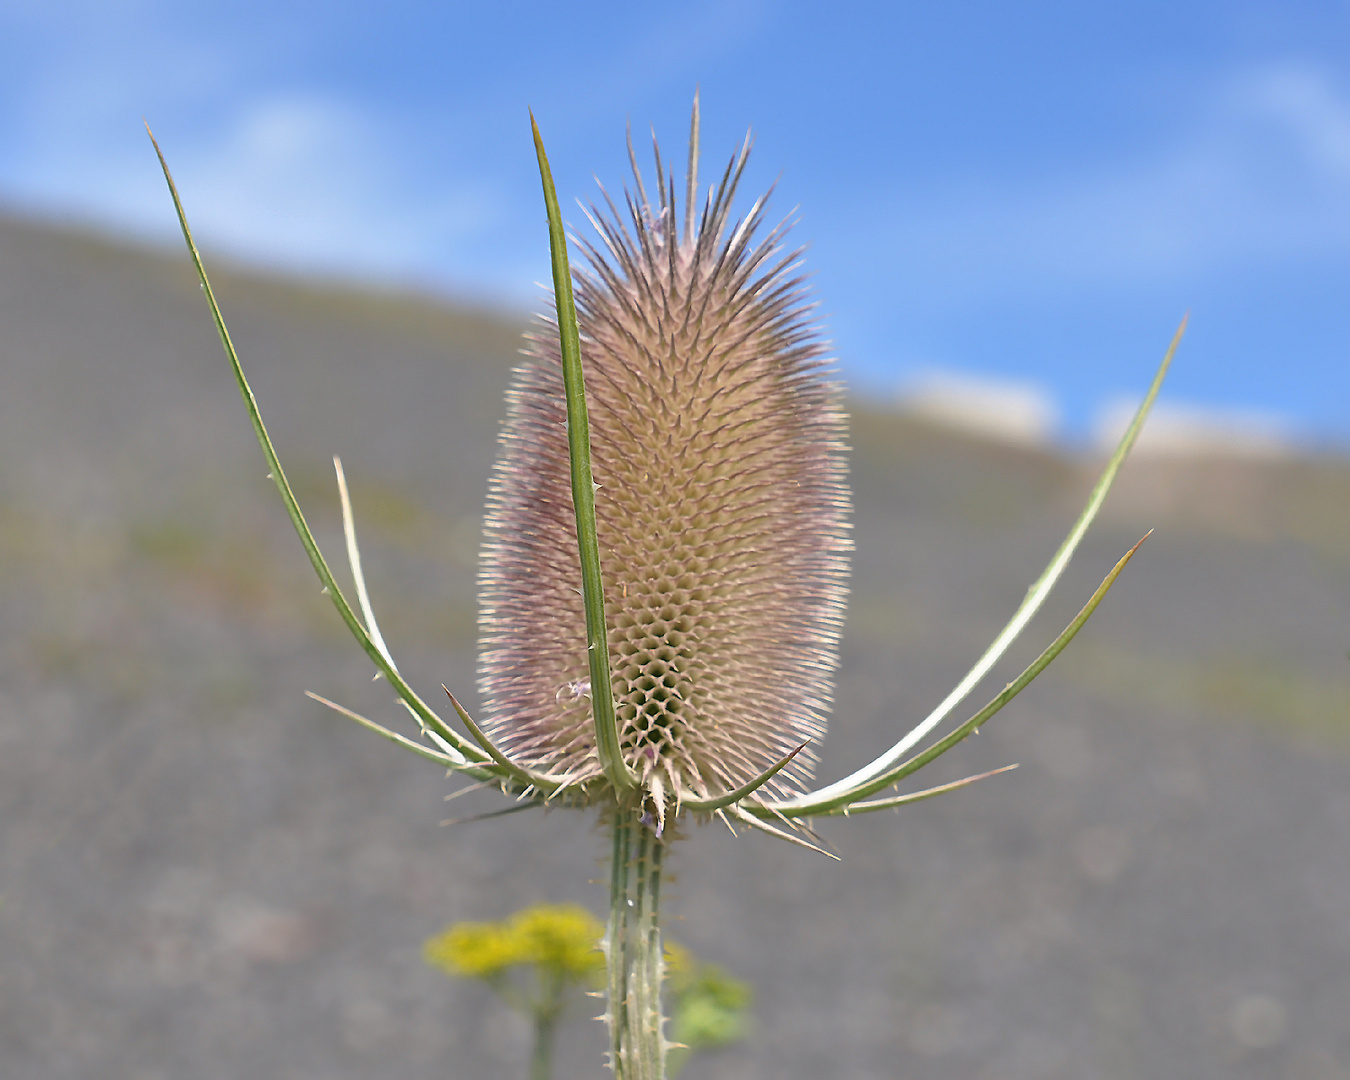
(717, 447)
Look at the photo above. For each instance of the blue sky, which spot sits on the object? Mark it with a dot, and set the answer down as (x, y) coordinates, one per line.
(1028, 191)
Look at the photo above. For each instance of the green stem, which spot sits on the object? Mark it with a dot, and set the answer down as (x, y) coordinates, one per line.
(616, 969)
(541, 1063)
(635, 961)
(545, 1024)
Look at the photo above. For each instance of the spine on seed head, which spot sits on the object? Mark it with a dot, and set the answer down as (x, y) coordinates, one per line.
(717, 444)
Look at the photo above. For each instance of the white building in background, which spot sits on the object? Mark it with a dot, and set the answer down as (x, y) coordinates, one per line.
(1013, 412)
(1189, 431)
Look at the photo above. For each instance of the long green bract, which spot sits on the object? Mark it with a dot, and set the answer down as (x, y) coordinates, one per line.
(817, 805)
(474, 760)
(1036, 596)
(583, 488)
(897, 801)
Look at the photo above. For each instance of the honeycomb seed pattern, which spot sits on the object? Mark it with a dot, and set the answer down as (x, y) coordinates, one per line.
(718, 444)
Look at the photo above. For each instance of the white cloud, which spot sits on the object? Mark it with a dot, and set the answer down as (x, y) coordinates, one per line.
(300, 178)
(1016, 412)
(299, 181)
(1176, 430)
(312, 182)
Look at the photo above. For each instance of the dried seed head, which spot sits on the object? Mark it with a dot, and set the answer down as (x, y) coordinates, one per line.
(717, 445)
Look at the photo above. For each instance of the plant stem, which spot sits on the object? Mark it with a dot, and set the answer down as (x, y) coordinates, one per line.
(633, 951)
(541, 1063)
(546, 1007)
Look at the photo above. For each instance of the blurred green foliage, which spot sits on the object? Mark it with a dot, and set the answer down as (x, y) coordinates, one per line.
(707, 1006)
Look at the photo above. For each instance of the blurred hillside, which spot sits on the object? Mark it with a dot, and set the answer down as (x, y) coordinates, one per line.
(203, 874)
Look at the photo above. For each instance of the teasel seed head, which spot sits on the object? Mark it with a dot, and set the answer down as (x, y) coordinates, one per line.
(717, 447)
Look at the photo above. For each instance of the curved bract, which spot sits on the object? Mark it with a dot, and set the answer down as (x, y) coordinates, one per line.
(452, 750)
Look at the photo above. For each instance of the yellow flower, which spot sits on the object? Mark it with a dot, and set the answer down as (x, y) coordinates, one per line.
(562, 939)
(476, 950)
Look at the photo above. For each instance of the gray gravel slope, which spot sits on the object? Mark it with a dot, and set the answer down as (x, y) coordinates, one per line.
(206, 876)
